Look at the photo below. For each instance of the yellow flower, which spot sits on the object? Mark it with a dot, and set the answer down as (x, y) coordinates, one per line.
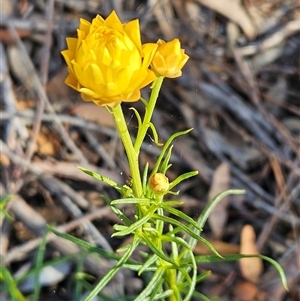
(159, 183)
(169, 59)
(107, 63)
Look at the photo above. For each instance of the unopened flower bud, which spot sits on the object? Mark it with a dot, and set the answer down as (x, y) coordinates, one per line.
(159, 183)
(169, 59)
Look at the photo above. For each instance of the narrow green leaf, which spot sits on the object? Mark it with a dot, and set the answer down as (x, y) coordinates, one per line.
(145, 178)
(137, 115)
(212, 204)
(157, 290)
(173, 203)
(174, 244)
(122, 189)
(78, 275)
(136, 267)
(148, 263)
(13, 290)
(159, 223)
(180, 214)
(118, 227)
(3, 202)
(131, 229)
(234, 257)
(165, 163)
(192, 285)
(176, 240)
(183, 177)
(38, 266)
(188, 231)
(203, 276)
(101, 178)
(130, 201)
(111, 273)
(154, 284)
(163, 295)
(144, 101)
(155, 135)
(208, 209)
(164, 149)
(117, 211)
(91, 248)
(186, 276)
(158, 252)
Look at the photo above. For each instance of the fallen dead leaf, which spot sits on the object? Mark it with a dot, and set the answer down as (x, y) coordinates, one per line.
(218, 217)
(233, 10)
(251, 268)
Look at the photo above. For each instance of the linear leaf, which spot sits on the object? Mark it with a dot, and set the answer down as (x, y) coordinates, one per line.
(188, 231)
(155, 135)
(130, 201)
(133, 227)
(234, 257)
(155, 283)
(158, 252)
(101, 178)
(111, 273)
(180, 214)
(165, 147)
(183, 177)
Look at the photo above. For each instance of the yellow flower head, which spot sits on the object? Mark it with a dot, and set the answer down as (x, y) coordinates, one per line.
(107, 63)
(169, 59)
(159, 183)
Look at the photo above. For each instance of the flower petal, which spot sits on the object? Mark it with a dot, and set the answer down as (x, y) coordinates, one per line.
(107, 63)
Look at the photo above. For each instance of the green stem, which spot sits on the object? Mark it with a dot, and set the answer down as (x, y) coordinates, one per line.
(148, 114)
(132, 154)
(171, 275)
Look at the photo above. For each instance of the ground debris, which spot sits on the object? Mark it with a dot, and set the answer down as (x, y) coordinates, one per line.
(240, 91)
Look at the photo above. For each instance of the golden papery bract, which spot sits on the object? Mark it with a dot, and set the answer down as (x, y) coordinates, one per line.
(107, 63)
(159, 183)
(169, 59)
